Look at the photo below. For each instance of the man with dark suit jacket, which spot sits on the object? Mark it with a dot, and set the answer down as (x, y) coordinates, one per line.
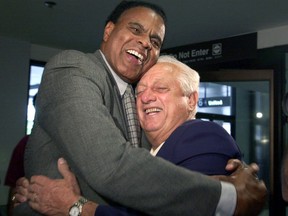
(202, 146)
(167, 97)
(80, 117)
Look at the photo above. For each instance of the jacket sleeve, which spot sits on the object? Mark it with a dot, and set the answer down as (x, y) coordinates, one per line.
(202, 146)
(105, 210)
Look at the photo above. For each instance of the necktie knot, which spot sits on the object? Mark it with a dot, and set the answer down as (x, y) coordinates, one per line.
(129, 90)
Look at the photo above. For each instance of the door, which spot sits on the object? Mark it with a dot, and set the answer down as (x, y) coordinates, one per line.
(242, 102)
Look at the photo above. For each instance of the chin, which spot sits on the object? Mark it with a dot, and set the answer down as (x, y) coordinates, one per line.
(151, 129)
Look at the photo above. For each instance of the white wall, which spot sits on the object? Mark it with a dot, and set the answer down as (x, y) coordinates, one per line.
(14, 67)
(41, 53)
(15, 58)
(272, 37)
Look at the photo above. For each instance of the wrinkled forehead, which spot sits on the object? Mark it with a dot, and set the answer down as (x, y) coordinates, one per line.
(164, 69)
(160, 71)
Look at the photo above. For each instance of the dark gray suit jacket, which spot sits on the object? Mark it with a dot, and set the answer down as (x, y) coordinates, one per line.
(80, 117)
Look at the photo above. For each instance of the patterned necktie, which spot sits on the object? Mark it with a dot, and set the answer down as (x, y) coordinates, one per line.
(133, 123)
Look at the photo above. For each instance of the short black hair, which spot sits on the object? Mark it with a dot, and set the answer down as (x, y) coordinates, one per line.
(125, 5)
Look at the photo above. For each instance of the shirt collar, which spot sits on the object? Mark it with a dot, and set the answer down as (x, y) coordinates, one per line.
(154, 152)
(122, 85)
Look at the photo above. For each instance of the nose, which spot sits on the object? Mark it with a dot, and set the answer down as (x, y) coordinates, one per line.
(147, 96)
(145, 42)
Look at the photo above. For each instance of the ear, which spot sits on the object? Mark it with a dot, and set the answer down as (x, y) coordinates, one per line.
(107, 30)
(193, 99)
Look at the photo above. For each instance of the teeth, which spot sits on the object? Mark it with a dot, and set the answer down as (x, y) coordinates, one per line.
(147, 111)
(138, 55)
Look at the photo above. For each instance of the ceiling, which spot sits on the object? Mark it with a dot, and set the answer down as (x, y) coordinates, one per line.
(78, 24)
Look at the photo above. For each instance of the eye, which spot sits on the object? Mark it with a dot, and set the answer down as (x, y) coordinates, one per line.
(139, 91)
(135, 29)
(156, 43)
(161, 89)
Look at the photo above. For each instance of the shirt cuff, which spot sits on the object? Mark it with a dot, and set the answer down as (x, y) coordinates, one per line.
(227, 201)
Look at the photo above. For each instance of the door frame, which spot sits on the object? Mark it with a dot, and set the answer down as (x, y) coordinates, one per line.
(226, 75)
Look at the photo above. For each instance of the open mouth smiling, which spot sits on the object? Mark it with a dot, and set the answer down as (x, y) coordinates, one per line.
(137, 55)
(152, 110)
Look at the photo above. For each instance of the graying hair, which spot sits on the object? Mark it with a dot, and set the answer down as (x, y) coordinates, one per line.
(188, 78)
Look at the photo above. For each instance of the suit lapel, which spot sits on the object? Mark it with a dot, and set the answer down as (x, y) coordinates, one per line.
(115, 108)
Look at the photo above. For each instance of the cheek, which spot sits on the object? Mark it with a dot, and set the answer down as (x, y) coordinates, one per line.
(176, 108)
(138, 108)
(116, 40)
(139, 113)
(152, 61)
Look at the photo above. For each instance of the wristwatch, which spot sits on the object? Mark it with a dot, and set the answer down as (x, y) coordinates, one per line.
(76, 208)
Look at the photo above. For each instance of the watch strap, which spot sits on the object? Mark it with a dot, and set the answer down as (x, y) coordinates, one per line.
(82, 200)
(79, 204)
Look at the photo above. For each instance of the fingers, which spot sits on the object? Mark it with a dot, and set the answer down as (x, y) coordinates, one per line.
(233, 164)
(21, 190)
(64, 168)
(22, 182)
(36, 187)
(35, 203)
(252, 170)
(67, 174)
(251, 192)
(32, 197)
(254, 167)
(18, 198)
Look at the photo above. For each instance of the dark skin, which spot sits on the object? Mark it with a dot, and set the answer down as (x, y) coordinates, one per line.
(252, 182)
(138, 29)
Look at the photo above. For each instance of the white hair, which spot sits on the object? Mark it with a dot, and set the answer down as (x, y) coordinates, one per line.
(188, 78)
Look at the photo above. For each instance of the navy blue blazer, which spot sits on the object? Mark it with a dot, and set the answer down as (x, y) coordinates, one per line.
(201, 146)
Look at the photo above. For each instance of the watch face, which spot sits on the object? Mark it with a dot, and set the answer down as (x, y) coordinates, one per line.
(74, 211)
